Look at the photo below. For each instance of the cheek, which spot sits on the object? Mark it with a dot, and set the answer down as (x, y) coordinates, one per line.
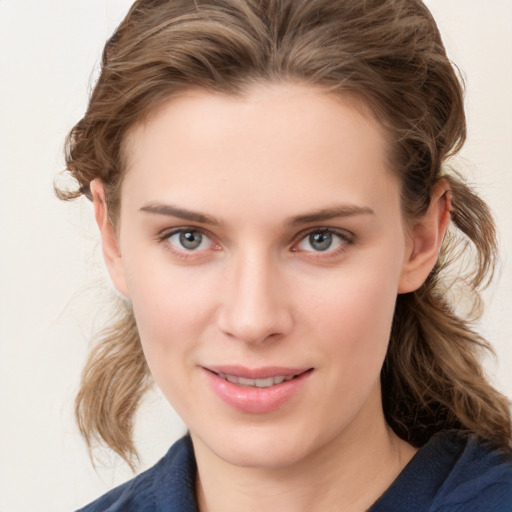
(356, 317)
(170, 320)
(347, 335)
(360, 296)
(363, 319)
(171, 309)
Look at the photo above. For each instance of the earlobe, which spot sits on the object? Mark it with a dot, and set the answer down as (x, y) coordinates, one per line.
(109, 242)
(427, 236)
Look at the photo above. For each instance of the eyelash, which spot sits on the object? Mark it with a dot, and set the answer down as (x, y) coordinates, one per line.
(165, 236)
(346, 239)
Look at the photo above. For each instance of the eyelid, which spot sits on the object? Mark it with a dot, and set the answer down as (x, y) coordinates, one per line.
(346, 236)
(342, 233)
(164, 235)
(167, 232)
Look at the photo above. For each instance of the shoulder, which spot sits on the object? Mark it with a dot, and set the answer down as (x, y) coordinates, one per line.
(479, 480)
(452, 473)
(168, 485)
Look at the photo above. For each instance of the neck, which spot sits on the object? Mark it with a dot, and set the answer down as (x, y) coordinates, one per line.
(347, 474)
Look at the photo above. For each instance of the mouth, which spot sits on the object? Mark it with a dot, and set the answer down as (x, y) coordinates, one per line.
(256, 383)
(257, 391)
(262, 378)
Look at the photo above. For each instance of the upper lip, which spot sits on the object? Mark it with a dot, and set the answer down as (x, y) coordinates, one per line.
(257, 373)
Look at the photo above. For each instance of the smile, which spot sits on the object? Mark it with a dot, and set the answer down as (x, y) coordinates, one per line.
(257, 383)
(257, 391)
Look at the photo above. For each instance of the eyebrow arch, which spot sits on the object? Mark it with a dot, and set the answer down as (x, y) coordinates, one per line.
(181, 213)
(331, 213)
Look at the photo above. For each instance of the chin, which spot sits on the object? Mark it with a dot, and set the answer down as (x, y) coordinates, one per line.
(262, 447)
(265, 456)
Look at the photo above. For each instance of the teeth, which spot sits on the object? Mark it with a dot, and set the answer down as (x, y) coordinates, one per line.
(231, 378)
(265, 383)
(257, 383)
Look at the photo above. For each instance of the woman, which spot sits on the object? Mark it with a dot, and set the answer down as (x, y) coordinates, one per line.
(270, 185)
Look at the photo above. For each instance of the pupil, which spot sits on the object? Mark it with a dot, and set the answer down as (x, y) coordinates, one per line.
(320, 241)
(191, 239)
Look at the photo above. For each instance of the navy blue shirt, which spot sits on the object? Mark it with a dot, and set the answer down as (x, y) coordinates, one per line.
(451, 473)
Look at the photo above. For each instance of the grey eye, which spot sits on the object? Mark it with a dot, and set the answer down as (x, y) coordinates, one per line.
(320, 241)
(190, 240)
(323, 240)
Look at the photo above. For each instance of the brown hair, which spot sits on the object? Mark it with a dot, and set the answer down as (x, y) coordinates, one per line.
(389, 54)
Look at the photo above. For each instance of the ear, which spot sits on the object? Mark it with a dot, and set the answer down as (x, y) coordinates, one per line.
(426, 238)
(109, 243)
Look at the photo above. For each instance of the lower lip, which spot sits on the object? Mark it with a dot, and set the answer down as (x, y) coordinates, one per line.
(256, 400)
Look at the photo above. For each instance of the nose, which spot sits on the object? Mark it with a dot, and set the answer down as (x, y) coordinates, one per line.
(255, 305)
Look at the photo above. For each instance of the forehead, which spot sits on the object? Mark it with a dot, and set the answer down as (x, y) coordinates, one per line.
(280, 143)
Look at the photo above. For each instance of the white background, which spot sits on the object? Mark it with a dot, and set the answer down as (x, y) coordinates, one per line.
(53, 290)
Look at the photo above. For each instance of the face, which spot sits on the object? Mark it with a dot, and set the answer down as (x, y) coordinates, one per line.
(262, 245)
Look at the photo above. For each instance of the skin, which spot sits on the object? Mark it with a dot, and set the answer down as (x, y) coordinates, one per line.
(262, 169)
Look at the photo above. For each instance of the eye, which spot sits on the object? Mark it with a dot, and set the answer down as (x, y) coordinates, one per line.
(188, 240)
(323, 240)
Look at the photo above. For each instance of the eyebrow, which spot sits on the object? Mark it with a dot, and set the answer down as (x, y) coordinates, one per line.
(330, 213)
(203, 218)
(181, 213)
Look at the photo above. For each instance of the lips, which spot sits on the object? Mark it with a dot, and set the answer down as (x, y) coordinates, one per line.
(256, 390)
(257, 383)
